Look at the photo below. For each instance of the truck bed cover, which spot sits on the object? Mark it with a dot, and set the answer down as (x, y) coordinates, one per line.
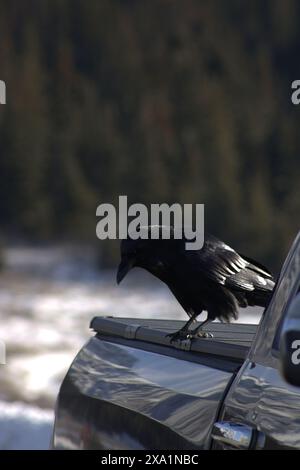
(230, 340)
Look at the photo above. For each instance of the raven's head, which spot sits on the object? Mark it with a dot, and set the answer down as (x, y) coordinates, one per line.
(131, 254)
(148, 253)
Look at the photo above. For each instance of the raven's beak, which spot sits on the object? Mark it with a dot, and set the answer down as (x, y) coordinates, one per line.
(124, 267)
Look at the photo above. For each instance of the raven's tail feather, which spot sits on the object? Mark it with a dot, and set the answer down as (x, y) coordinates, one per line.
(261, 298)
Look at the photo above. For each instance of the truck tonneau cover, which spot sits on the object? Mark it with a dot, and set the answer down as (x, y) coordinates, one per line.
(230, 340)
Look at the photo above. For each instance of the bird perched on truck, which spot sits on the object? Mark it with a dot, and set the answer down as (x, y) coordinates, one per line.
(216, 278)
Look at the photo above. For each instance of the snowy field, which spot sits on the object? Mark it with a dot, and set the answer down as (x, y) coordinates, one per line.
(24, 427)
(47, 299)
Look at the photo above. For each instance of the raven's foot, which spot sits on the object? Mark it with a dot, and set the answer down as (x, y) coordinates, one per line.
(200, 334)
(178, 335)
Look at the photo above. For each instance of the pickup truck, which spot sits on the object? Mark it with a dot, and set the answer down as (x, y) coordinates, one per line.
(129, 388)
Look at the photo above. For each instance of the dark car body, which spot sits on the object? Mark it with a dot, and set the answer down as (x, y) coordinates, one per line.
(129, 388)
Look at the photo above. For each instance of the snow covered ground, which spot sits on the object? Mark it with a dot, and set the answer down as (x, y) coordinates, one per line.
(24, 427)
(47, 298)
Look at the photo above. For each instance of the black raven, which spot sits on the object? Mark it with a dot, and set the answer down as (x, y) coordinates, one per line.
(215, 278)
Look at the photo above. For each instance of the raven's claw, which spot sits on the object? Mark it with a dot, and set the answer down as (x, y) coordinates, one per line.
(201, 334)
(178, 335)
(182, 335)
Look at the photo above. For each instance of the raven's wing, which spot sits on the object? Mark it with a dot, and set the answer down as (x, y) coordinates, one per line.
(257, 267)
(221, 264)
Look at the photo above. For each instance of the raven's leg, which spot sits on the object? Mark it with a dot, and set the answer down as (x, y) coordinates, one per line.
(201, 334)
(183, 333)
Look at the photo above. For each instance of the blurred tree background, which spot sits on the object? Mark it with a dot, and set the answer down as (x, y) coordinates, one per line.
(162, 100)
